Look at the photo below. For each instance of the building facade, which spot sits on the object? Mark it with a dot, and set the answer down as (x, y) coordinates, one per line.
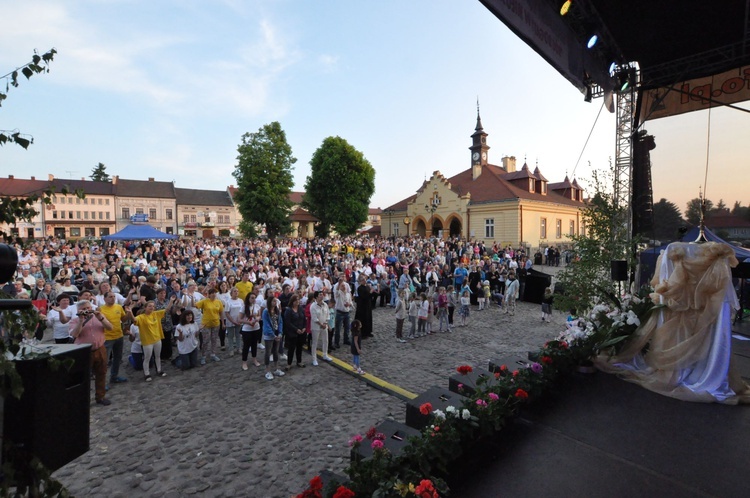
(206, 213)
(139, 201)
(494, 203)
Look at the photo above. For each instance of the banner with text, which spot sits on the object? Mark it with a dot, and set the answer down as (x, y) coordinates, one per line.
(725, 88)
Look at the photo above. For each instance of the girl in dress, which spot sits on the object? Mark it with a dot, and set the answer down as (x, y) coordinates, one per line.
(357, 345)
(463, 312)
(187, 340)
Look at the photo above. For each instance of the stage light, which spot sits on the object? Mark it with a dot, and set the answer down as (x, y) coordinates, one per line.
(612, 68)
(592, 41)
(565, 7)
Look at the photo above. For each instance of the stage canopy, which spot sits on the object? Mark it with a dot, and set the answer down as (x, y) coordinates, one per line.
(139, 232)
(672, 40)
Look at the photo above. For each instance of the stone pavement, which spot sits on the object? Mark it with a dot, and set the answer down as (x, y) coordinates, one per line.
(219, 431)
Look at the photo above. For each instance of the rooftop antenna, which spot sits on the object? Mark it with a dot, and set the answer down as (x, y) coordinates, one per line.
(70, 173)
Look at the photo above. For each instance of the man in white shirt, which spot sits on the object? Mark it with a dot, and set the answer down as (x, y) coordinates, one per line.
(343, 306)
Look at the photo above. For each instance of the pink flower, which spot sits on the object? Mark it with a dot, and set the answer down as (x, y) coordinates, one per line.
(494, 397)
(481, 403)
(356, 439)
(377, 444)
(460, 387)
(536, 367)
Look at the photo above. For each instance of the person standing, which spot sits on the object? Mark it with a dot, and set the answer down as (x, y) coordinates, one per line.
(400, 316)
(511, 294)
(114, 341)
(273, 328)
(232, 311)
(295, 331)
(319, 326)
(250, 331)
(357, 346)
(343, 306)
(151, 335)
(88, 327)
(211, 308)
(58, 318)
(364, 307)
(187, 340)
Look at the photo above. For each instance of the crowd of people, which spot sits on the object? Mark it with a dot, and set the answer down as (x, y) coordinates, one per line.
(212, 298)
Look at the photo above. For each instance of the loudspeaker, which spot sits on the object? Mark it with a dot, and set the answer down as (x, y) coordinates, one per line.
(396, 438)
(51, 419)
(619, 270)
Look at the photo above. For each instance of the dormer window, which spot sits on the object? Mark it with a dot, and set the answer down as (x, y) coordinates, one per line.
(544, 188)
(532, 187)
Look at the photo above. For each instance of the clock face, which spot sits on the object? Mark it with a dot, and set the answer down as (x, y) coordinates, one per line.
(475, 156)
(484, 156)
(407, 220)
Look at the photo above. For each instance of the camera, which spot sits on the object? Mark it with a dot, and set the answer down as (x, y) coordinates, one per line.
(86, 313)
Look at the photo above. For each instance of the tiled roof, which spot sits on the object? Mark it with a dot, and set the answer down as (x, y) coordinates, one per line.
(144, 188)
(375, 211)
(300, 214)
(401, 205)
(538, 174)
(565, 184)
(724, 220)
(17, 187)
(196, 197)
(522, 173)
(296, 197)
(88, 186)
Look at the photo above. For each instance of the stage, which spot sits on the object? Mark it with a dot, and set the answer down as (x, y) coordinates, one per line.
(599, 436)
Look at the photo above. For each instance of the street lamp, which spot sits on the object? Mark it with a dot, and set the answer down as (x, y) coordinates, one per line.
(431, 208)
(389, 213)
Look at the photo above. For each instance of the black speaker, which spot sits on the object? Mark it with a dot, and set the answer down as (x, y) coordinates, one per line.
(619, 270)
(51, 419)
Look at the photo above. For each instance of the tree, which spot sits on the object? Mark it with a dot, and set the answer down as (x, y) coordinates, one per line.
(587, 278)
(264, 180)
(721, 206)
(667, 219)
(99, 173)
(339, 187)
(693, 211)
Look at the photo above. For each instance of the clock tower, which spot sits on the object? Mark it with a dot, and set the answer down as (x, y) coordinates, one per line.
(479, 145)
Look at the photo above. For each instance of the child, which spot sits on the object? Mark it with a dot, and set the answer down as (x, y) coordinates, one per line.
(487, 294)
(442, 309)
(452, 300)
(422, 311)
(187, 340)
(357, 345)
(511, 293)
(400, 315)
(136, 350)
(463, 312)
(331, 321)
(413, 312)
(572, 319)
(547, 305)
(431, 313)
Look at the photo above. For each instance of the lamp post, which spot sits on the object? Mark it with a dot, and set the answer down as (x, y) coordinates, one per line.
(431, 208)
(389, 213)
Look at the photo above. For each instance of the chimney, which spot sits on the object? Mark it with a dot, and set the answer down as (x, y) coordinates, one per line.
(10, 177)
(476, 171)
(509, 164)
(150, 179)
(50, 177)
(114, 179)
(33, 178)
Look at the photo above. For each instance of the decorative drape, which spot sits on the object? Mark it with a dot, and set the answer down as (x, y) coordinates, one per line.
(684, 349)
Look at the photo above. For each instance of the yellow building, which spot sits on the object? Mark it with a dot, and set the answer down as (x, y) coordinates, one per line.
(206, 213)
(493, 203)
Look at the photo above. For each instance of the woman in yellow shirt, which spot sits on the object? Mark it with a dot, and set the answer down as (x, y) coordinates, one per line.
(151, 333)
(212, 309)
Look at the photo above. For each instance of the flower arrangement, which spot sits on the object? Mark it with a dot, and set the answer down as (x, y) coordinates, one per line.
(418, 471)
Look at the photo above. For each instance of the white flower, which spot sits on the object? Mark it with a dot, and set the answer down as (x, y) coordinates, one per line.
(465, 414)
(633, 319)
(451, 409)
(439, 414)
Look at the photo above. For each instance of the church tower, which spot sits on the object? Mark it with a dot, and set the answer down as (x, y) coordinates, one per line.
(478, 147)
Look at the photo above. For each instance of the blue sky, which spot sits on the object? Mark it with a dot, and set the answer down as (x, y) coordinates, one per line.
(166, 89)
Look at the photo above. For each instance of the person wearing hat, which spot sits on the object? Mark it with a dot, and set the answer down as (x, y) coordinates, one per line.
(58, 318)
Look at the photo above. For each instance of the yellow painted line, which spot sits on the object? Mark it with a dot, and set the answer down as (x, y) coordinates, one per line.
(370, 379)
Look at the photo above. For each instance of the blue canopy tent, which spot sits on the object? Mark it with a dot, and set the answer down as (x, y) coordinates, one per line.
(139, 232)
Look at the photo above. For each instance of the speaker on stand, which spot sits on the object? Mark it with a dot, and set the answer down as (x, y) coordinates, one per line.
(619, 272)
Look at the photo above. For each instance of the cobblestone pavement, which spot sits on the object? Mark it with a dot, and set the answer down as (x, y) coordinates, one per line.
(221, 431)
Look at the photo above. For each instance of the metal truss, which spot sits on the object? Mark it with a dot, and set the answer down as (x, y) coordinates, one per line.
(623, 171)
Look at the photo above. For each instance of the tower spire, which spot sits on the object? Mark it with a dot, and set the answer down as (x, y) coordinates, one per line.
(479, 119)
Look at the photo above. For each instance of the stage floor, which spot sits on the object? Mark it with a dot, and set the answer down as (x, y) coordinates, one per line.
(598, 436)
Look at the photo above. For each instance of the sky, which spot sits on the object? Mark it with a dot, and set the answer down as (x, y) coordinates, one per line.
(166, 89)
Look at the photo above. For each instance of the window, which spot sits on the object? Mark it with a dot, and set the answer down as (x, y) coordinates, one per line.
(99, 201)
(558, 229)
(85, 200)
(168, 212)
(75, 232)
(101, 215)
(106, 201)
(62, 200)
(543, 229)
(572, 228)
(89, 232)
(152, 214)
(54, 215)
(395, 229)
(125, 213)
(489, 228)
(107, 213)
(186, 218)
(70, 215)
(104, 231)
(78, 201)
(85, 215)
(192, 218)
(78, 215)
(138, 210)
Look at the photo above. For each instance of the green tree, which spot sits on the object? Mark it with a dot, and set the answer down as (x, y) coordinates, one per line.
(588, 278)
(693, 211)
(264, 180)
(99, 173)
(667, 219)
(721, 206)
(339, 187)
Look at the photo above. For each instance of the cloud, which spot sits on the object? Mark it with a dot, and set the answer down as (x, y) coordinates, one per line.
(328, 62)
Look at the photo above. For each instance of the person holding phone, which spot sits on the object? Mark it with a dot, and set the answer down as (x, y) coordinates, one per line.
(88, 327)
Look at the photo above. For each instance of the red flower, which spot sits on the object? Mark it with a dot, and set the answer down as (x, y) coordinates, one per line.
(564, 345)
(316, 483)
(497, 375)
(426, 489)
(546, 360)
(504, 368)
(520, 393)
(343, 492)
(515, 373)
(437, 428)
(370, 434)
(425, 409)
(464, 369)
